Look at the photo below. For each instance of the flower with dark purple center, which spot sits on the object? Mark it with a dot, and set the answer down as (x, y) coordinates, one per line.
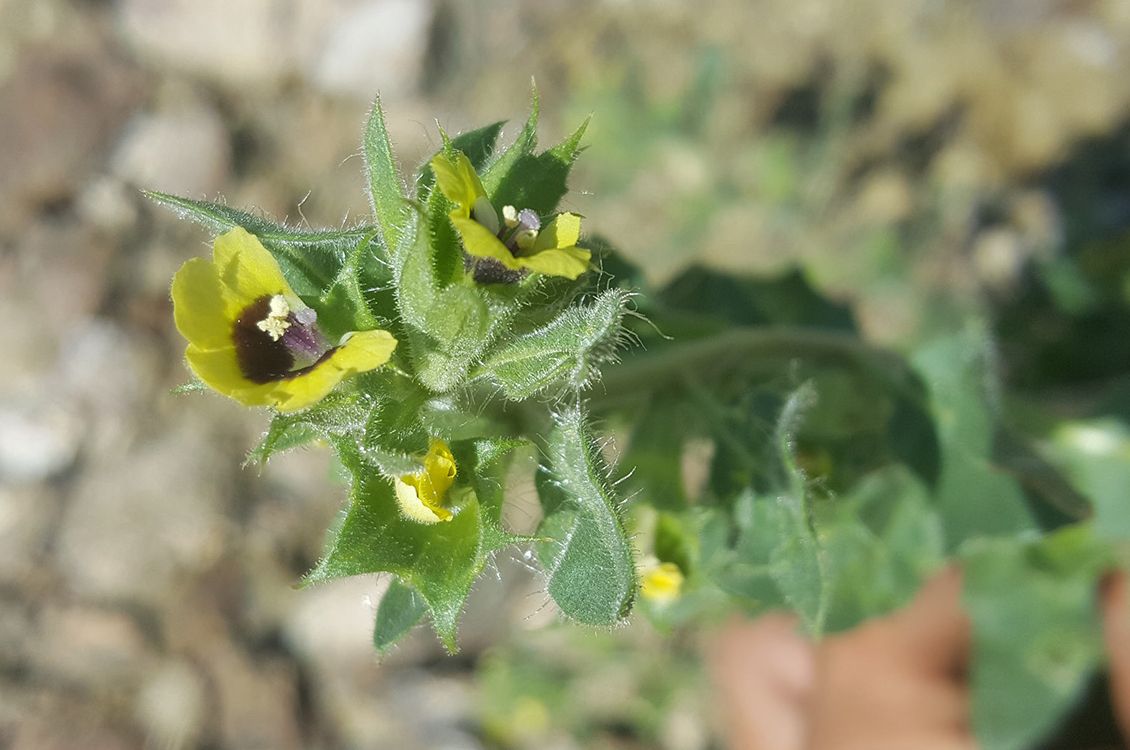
(251, 338)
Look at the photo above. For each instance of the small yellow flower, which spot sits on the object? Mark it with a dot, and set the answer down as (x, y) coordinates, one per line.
(661, 583)
(251, 338)
(519, 242)
(421, 495)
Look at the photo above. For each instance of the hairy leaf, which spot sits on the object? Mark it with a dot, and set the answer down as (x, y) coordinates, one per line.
(440, 561)
(401, 609)
(386, 189)
(587, 555)
(563, 354)
(310, 259)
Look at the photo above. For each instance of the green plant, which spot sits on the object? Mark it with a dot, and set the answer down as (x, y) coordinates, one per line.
(834, 477)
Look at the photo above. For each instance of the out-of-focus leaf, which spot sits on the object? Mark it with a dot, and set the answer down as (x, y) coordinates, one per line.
(787, 300)
(1035, 631)
(881, 541)
(586, 553)
(777, 558)
(1096, 457)
(974, 497)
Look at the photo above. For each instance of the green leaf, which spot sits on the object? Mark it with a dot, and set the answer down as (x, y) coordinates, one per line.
(386, 189)
(974, 497)
(523, 145)
(539, 182)
(1095, 455)
(400, 610)
(343, 307)
(881, 541)
(440, 561)
(339, 413)
(566, 353)
(1035, 632)
(777, 558)
(786, 300)
(484, 461)
(587, 554)
(310, 259)
(655, 454)
(456, 329)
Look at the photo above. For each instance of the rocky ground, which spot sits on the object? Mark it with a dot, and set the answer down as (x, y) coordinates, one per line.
(146, 579)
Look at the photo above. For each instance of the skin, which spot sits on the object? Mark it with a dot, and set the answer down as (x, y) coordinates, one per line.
(895, 682)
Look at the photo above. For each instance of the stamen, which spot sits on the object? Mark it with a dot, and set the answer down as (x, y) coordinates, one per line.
(276, 322)
(510, 216)
(526, 239)
(529, 219)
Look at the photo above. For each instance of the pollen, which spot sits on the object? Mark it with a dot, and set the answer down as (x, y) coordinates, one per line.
(510, 216)
(277, 320)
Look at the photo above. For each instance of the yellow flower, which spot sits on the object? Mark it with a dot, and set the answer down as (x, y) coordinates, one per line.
(251, 338)
(518, 242)
(661, 583)
(420, 495)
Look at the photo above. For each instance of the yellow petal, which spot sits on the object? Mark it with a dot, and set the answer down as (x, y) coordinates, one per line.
(569, 262)
(439, 466)
(458, 181)
(662, 584)
(360, 351)
(478, 241)
(203, 307)
(408, 500)
(563, 231)
(421, 495)
(247, 268)
(219, 368)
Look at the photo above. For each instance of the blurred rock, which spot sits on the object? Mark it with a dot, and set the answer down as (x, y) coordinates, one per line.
(16, 631)
(110, 373)
(57, 729)
(38, 440)
(60, 109)
(235, 43)
(999, 256)
(53, 281)
(331, 628)
(183, 151)
(156, 508)
(27, 514)
(377, 46)
(89, 647)
(172, 705)
(107, 204)
(257, 703)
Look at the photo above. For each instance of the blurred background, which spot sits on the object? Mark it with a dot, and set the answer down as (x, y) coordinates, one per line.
(924, 163)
